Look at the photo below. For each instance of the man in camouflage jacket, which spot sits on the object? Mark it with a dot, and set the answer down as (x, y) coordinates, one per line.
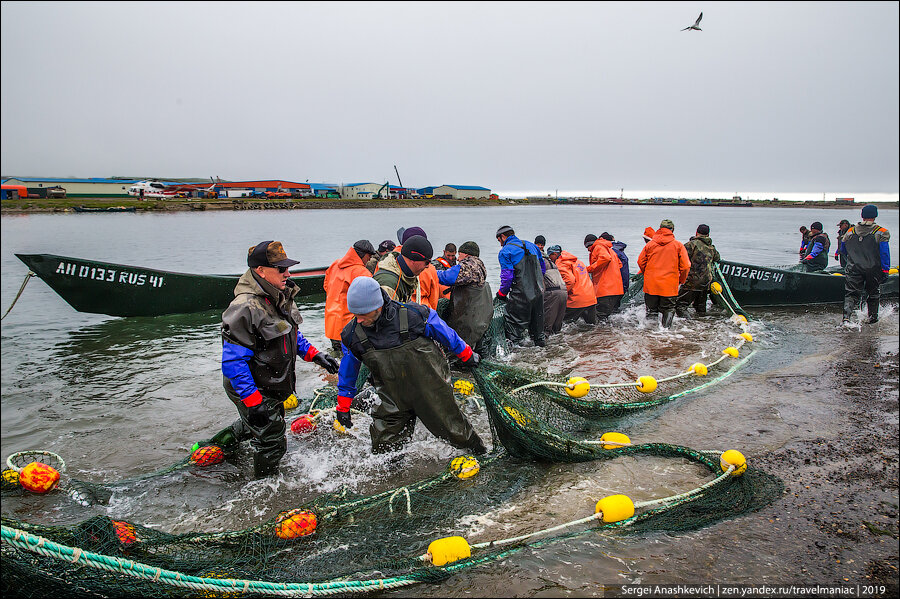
(695, 290)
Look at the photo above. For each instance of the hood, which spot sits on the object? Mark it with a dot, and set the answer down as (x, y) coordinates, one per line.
(567, 257)
(664, 236)
(703, 238)
(864, 229)
(619, 245)
(351, 258)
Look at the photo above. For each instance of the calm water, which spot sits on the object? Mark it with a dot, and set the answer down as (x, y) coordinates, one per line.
(122, 397)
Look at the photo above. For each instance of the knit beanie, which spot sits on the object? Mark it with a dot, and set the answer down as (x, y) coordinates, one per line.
(607, 236)
(869, 211)
(471, 248)
(407, 233)
(589, 240)
(364, 296)
(417, 248)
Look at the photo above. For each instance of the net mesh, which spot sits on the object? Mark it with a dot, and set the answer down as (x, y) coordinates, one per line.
(366, 542)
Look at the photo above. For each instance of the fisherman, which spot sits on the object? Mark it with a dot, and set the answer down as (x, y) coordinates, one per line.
(665, 265)
(555, 294)
(384, 248)
(619, 248)
(842, 228)
(866, 247)
(337, 279)
(606, 273)
(261, 340)
(804, 240)
(540, 241)
(648, 234)
(695, 290)
(580, 299)
(398, 273)
(816, 256)
(398, 343)
(429, 291)
(522, 270)
(471, 302)
(448, 260)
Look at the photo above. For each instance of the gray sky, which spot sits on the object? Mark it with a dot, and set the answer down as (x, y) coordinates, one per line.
(770, 95)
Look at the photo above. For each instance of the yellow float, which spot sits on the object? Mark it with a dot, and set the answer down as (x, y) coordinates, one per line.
(577, 387)
(646, 384)
(735, 458)
(615, 508)
(699, 369)
(448, 550)
(731, 351)
(465, 466)
(614, 440)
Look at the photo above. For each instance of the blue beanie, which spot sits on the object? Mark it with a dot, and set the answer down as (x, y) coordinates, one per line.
(869, 211)
(364, 296)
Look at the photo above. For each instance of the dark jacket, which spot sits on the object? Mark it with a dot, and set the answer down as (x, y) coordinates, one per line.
(619, 248)
(703, 256)
(261, 339)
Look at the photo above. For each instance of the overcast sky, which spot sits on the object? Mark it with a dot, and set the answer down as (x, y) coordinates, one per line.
(510, 95)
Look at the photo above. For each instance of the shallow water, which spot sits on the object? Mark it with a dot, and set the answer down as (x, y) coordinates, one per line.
(118, 398)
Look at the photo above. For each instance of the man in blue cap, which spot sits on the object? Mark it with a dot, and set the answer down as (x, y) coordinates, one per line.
(398, 343)
(868, 253)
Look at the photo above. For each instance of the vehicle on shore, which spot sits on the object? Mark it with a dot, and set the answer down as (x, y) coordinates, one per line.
(120, 290)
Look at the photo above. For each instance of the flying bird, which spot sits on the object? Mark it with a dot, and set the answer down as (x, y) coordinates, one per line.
(695, 25)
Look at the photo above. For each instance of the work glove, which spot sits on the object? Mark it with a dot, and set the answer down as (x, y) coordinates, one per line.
(473, 361)
(258, 415)
(501, 297)
(343, 418)
(327, 362)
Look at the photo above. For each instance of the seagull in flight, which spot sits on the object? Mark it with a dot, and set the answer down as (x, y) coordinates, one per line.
(695, 25)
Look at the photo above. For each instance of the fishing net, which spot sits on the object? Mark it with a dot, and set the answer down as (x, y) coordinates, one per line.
(342, 542)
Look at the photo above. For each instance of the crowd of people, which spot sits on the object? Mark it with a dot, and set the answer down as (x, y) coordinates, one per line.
(380, 311)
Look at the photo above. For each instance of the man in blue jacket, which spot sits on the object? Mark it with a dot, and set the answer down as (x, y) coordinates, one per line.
(866, 246)
(619, 248)
(261, 340)
(398, 344)
(816, 255)
(522, 270)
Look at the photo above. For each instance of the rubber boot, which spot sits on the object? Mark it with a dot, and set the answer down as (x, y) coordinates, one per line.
(850, 306)
(667, 318)
(873, 311)
(263, 467)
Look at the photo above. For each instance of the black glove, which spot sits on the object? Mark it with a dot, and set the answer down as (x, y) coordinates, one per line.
(502, 298)
(258, 415)
(344, 419)
(473, 361)
(327, 362)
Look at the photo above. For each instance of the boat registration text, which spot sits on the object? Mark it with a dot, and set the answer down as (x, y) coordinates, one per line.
(109, 275)
(745, 272)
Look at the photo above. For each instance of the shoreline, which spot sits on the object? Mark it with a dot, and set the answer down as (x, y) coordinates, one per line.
(67, 205)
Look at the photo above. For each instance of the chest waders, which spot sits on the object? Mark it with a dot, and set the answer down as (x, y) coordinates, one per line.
(471, 311)
(820, 261)
(863, 275)
(272, 368)
(413, 381)
(525, 301)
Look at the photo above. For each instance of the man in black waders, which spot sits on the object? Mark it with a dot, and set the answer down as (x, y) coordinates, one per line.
(471, 303)
(521, 287)
(397, 342)
(261, 340)
(866, 246)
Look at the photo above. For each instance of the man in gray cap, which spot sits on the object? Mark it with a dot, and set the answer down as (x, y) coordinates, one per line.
(398, 344)
(866, 246)
(261, 340)
(522, 270)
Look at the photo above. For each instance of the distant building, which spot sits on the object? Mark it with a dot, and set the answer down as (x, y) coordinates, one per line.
(459, 192)
(92, 187)
(844, 200)
(265, 185)
(325, 190)
(363, 191)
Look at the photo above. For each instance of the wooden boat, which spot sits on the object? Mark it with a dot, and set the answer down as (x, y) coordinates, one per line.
(119, 290)
(783, 286)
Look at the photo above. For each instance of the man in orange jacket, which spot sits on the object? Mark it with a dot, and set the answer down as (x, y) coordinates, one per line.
(580, 301)
(665, 264)
(605, 269)
(337, 280)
